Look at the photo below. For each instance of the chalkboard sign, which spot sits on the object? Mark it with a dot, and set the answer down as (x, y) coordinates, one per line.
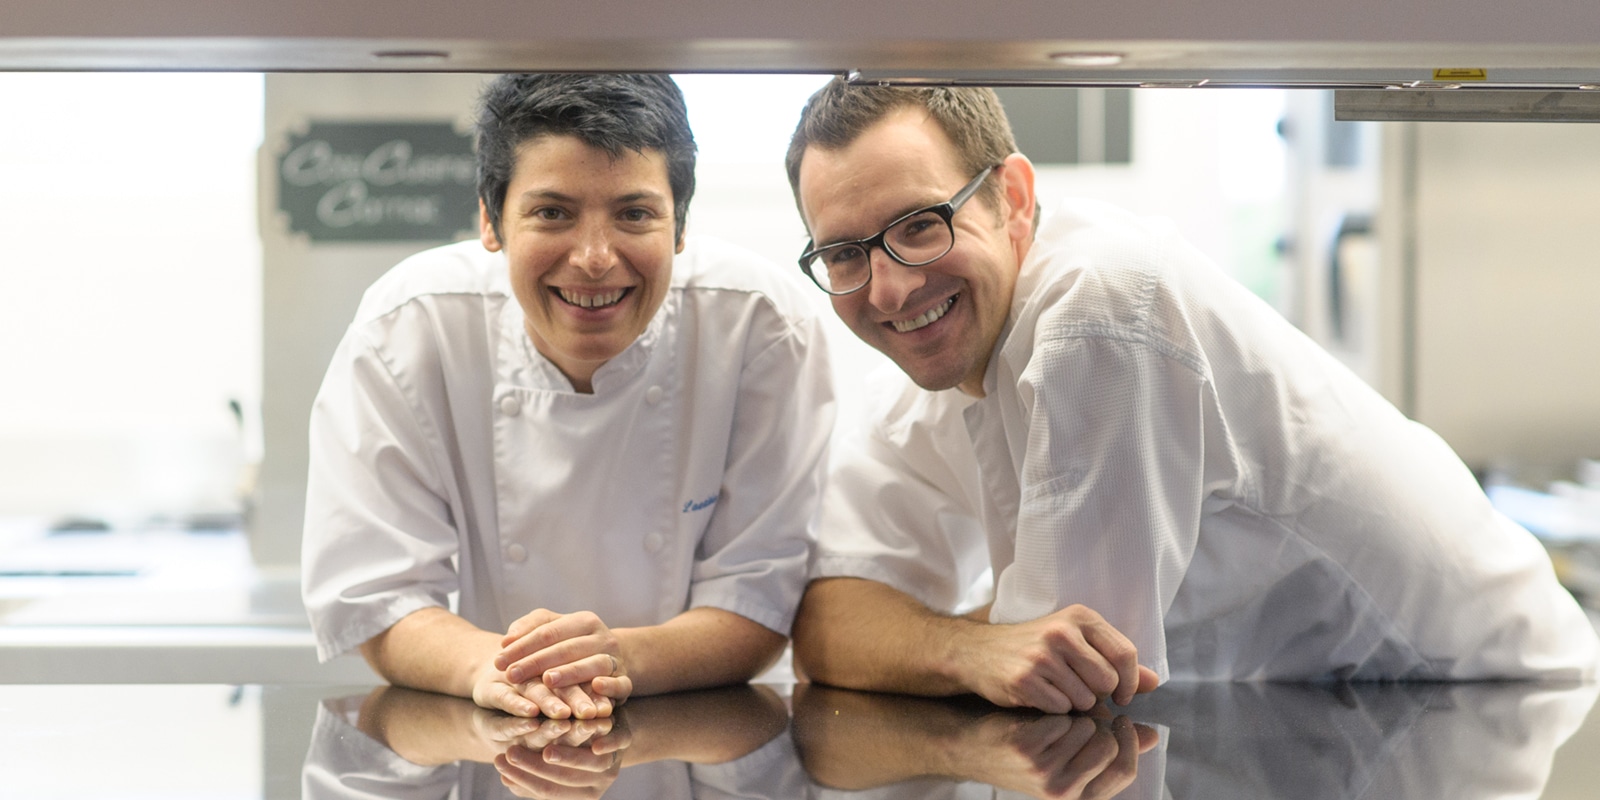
(379, 182)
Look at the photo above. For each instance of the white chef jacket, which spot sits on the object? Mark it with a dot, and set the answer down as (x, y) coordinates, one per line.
(1159, 445)
(450, 460)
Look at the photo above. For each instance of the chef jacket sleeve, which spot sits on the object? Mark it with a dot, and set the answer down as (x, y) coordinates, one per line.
(752, 558)
(343, 763)
(1112, 482)
(900, 505)
(379, 538)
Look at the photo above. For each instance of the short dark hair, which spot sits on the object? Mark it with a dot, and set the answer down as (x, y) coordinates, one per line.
(610, 112)
(970, 115)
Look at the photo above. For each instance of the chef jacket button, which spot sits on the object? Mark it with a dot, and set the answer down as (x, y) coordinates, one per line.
(516, 554)
(653, 394)
(654, 541)
(510, 406)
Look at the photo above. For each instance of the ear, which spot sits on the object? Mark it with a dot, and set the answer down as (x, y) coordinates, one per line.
(1016, 186)
(685, 232)
(486, 233)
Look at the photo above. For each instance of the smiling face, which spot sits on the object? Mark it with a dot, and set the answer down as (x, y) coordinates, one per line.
(938, 322)
(590, 240)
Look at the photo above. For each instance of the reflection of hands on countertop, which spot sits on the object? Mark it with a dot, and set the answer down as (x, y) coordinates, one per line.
(403, 743)
(703, 727)
(854, 740)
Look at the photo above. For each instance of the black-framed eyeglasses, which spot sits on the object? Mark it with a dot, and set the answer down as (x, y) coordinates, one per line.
(915, 240)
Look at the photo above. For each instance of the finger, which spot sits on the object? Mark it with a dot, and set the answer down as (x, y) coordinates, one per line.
(1093, 755)
(616, 688)
(504, 697)
(1124, 766)
(1148, 737)
(580, 759)
(583, 670)
(1148, 679)
(1070, 686)
(578, 700)
(549, 703)
(554, 628)
(564, 654)
(524, 772)
(1037, 690)
(1034, 738)
(1115, 653)
(501, 728)
(527, 622)
(532, 763)
(549, 730)
(584, 731)
(617, 740)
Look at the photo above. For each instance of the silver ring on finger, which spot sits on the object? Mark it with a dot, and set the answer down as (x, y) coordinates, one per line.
(614, 664)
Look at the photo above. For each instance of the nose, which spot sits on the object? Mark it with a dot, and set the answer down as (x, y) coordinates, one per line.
(593, 252)
(892, 282)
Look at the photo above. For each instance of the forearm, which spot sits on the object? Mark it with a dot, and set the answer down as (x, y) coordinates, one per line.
(861, 634)
(711, 727)
(699, 648)
(423, 728)
(434, 650)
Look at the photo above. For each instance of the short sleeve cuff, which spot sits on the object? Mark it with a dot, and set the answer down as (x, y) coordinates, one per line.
(349, 626)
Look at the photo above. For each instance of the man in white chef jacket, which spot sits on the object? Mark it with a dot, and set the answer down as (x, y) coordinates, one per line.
(581, 458)
(1167, 480)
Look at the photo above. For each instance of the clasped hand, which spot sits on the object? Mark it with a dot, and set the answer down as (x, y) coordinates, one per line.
(1069, 660)
(557, 665)
(565, 759)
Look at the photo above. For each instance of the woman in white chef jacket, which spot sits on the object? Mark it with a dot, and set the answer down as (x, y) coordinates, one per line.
(578, 459)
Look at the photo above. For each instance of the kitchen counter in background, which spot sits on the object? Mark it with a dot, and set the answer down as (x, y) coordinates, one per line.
(155, 604)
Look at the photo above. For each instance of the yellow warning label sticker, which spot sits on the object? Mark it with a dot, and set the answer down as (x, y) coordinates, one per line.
(1460, 74)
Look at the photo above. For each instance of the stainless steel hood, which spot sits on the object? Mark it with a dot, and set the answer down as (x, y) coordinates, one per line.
(1547, 43)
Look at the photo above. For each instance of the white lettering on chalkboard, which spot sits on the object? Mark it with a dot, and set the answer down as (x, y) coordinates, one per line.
(389, 164)
(349, 204)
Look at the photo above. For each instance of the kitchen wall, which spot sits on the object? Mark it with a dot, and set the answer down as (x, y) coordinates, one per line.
(1497, 220)
(129, 299)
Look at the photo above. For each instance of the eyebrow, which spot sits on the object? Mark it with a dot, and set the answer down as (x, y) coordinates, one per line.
(891, 218)
(631, 197)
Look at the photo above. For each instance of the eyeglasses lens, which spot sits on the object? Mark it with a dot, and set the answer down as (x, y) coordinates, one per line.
(914, 241)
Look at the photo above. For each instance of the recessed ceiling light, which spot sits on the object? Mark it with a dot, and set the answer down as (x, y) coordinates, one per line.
(1079, 59)
(412, 55)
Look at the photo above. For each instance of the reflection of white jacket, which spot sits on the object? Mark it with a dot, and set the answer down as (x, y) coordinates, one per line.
(449, 459)
(1161, 446)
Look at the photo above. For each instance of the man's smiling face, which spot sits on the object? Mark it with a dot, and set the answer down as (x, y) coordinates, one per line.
(938, 322)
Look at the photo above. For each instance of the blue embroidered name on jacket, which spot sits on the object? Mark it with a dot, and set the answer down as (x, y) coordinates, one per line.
(696, 505)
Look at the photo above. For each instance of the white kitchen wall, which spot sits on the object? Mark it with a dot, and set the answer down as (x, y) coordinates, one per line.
(129, 268)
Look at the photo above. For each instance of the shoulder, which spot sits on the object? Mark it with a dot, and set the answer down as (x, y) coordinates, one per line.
(462, 268)
(1091, 251)
(1098, 271)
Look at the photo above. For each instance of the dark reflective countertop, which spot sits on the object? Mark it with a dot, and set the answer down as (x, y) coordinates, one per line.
(1182, 741)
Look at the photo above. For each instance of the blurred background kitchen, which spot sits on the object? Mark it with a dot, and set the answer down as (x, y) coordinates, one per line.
(180, 252)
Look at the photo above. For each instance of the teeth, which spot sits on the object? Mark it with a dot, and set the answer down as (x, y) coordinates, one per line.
(592, 300)
(927, 317)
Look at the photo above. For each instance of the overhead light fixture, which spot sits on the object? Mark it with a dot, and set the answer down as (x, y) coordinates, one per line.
(1081, 59)
(411, 55)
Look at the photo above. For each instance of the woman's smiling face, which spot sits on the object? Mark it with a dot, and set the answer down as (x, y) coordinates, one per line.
(589, 238)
